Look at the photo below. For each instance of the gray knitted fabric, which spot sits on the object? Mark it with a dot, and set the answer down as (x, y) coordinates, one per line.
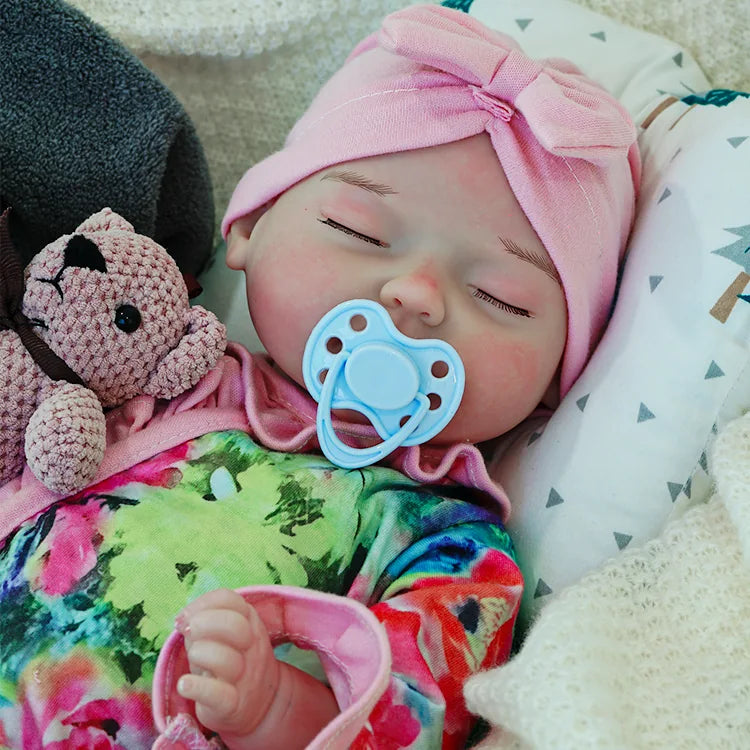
(85, 125)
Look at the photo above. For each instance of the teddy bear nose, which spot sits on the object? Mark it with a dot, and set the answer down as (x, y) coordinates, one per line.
(81, 252)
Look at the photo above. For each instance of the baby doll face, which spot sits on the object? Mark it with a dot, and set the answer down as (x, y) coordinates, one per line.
(437, 237)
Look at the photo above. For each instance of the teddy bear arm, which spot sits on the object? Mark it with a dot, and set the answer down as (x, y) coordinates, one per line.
(66, 437)
(196, 353)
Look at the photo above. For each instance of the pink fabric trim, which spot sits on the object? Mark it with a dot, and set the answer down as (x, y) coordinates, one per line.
(282, 417)
(243, 392)
(351, 643)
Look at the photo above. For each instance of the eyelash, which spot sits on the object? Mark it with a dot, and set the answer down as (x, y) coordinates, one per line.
(478, 293)
(346, 230)
(512, 309)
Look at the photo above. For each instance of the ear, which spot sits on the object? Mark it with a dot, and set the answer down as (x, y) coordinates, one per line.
(104, 220)
(196, 353)
(239, 235)
(81, 252)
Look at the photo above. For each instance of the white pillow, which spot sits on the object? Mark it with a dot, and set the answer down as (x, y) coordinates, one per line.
(633, 65)
(627, 447)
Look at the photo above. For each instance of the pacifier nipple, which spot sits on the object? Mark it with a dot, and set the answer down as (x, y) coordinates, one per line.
(409, 389)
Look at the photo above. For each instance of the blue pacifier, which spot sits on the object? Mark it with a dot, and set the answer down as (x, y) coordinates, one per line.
(357, 359)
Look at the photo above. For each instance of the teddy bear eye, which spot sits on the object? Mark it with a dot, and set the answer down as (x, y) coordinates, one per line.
(127, 318)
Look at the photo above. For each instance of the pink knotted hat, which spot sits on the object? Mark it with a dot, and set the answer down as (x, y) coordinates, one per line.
(433, 75)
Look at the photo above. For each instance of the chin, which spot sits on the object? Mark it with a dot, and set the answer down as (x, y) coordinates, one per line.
(451, 435)
(458, 433)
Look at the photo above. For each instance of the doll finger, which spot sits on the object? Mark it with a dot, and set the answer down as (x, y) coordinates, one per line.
(215, 695)
(228, 627)
(216, 599)
(212, 659)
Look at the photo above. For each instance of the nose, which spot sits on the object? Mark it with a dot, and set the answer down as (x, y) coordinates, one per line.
(414, 295)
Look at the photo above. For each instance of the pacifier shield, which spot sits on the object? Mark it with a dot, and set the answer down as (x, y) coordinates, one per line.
(397, 380)
(408, 388)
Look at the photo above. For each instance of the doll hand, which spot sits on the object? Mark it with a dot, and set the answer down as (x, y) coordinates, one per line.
(235, 675)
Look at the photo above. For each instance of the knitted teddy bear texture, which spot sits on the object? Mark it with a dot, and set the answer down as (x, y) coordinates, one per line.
(113, 306)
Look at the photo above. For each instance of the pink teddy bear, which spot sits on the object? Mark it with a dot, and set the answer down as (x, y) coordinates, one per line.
(104, 317)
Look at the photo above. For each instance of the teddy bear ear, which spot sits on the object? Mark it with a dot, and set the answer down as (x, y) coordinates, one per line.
(104, 220)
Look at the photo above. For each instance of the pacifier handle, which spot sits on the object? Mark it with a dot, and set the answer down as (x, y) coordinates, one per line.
(338, 452)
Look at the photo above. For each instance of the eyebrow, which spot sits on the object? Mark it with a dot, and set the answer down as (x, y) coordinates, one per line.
(358, 180)
(543, 264)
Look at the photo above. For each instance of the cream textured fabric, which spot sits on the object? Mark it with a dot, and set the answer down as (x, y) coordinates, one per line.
(650, 651)
(245, 70)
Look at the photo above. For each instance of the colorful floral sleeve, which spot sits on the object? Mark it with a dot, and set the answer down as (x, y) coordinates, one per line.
(90, 586)
(448, 602)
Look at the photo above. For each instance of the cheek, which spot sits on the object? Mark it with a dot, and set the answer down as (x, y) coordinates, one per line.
(502, 367)
(505, 381)
(288, 292)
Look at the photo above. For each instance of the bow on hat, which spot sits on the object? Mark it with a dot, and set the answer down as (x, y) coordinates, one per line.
(567, 114)
(11, 314)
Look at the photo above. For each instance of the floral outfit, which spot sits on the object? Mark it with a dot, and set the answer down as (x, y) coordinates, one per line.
(90, 584)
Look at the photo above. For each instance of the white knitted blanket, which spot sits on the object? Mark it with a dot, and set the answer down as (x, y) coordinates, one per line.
(245, 70)
(650, 651)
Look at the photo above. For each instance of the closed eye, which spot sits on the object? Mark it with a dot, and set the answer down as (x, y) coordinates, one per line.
(498, 303)
(347, 230)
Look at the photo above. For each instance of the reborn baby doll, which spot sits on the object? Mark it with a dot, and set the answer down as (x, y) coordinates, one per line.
(389, 188)
(482, 200)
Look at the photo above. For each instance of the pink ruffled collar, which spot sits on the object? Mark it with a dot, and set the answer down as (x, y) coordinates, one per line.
(282, 417)
(244, 391)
